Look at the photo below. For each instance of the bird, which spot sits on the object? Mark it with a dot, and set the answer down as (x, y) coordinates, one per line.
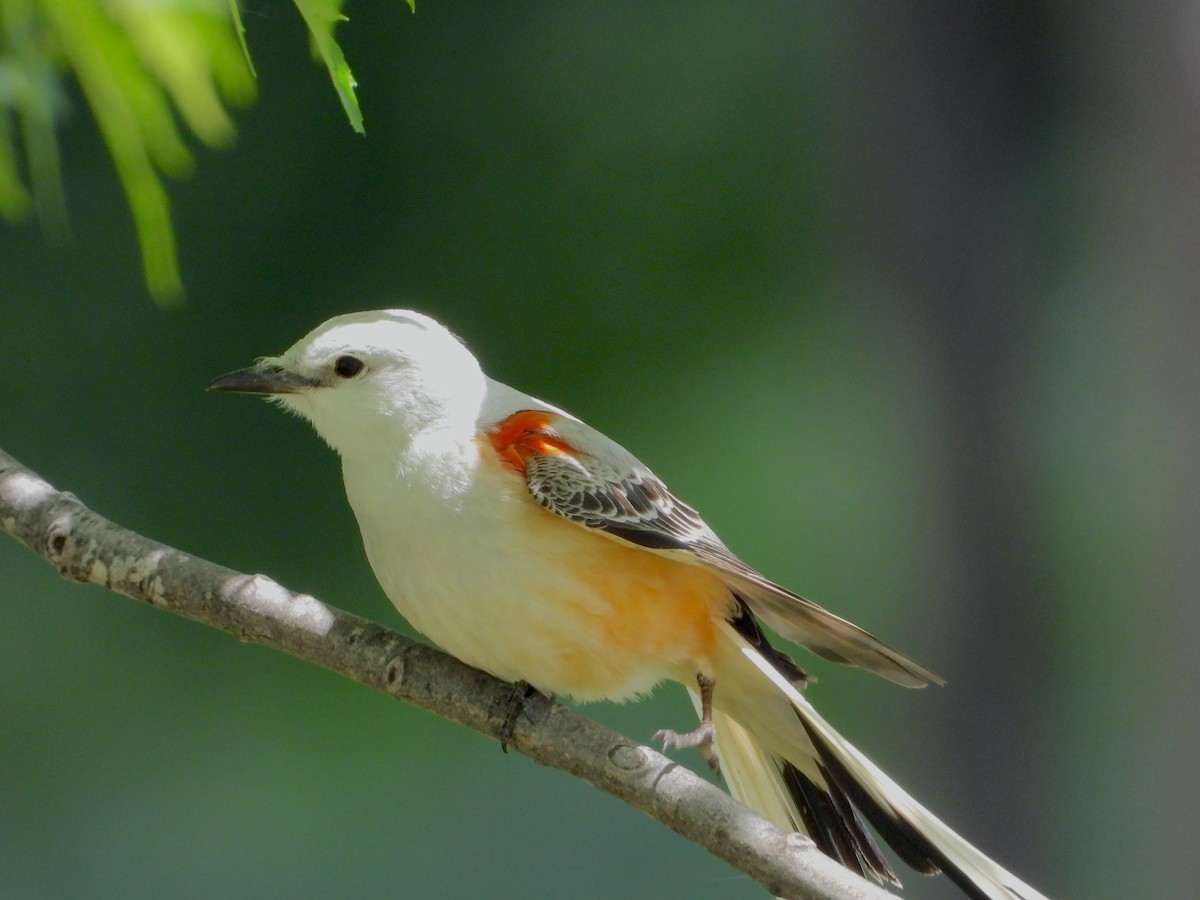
(533, 547)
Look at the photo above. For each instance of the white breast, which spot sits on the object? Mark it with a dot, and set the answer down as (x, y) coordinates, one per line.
(449, 541)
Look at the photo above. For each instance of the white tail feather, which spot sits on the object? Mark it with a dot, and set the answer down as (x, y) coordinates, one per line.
(750, 772)
(990, 879)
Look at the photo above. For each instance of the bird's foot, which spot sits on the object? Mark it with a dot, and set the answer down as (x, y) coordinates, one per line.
(517, 704)
(701, 737)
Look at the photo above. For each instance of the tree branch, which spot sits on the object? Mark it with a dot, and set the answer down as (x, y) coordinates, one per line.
(86, 547)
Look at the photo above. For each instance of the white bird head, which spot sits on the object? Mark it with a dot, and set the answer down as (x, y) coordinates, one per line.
(391, 374)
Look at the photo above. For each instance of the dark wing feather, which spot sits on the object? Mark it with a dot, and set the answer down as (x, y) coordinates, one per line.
(630, 504)
(612, 492)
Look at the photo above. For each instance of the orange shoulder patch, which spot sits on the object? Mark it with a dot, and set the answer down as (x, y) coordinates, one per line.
(524, 434)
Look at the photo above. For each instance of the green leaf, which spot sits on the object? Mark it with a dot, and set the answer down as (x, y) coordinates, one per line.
(235, 16)
(29, 86)
(186, 52)
(14, 200)
(142, 67)
(322, 16)
(137, 125)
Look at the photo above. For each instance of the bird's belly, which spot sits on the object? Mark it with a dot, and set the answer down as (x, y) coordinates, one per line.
(529, 596)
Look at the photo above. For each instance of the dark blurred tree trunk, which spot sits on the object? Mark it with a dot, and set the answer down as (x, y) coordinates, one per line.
(1150, 55)
(960, 127)
(982, 207)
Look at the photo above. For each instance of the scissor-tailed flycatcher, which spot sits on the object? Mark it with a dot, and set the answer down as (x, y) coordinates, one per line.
(533, 547)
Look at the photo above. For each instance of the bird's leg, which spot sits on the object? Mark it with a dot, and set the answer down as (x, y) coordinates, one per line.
(703, 735)
(516, 704)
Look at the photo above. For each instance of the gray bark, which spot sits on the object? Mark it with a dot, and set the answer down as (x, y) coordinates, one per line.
(86, 547)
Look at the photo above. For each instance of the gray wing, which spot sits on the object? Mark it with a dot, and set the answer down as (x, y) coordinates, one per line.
(630, 504)
(577, 473)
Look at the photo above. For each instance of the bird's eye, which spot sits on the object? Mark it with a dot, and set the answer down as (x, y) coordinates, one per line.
(348, 366)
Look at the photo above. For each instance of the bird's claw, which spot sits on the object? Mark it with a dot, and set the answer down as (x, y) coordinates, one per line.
(515, 706)
(702, 738)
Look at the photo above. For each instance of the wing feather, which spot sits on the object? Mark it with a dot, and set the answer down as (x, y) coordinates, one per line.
(575, 472)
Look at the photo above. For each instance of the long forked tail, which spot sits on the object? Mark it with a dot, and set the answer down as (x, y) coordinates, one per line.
(783, 760)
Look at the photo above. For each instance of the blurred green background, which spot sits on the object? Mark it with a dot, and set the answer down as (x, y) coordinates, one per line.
(902, 296)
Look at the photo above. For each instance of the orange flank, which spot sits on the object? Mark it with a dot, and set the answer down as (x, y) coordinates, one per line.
(636, 615)
(623, 617)
(524, 433)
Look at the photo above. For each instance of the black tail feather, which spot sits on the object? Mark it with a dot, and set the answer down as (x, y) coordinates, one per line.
(834, 825)
(747, 626)
(909, 844)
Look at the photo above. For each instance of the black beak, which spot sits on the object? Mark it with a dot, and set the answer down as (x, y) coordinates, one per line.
(256, 380)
